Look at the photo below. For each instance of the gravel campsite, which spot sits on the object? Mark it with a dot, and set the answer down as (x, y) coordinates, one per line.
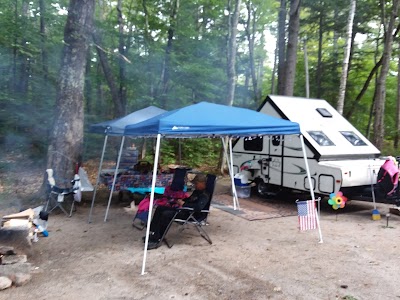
(257, 252)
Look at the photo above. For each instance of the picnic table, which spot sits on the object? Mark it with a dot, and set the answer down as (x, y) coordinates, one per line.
(134, 180)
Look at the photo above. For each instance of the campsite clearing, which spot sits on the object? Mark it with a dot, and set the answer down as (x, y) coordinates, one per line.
(261, 259)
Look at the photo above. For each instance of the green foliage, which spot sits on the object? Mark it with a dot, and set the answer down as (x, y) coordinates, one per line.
(194, 152)
(195, 65)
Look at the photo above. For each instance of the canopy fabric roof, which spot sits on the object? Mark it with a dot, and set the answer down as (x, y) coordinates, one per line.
(208, 119)
(116, 127)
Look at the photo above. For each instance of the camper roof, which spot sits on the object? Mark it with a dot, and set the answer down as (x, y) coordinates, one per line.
(328, 132)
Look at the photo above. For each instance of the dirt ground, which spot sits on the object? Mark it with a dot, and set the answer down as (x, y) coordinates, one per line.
(261, 259)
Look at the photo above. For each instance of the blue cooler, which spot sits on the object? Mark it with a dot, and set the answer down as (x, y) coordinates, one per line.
(238, 182)
(243, 191)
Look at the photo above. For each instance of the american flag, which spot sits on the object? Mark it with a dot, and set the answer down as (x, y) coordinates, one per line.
(307, 214)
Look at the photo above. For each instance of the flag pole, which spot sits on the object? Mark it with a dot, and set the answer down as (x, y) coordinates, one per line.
(319, 227)
(311, 185)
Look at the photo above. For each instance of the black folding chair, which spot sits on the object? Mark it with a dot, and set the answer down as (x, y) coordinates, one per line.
(178, 182)
(196, 218)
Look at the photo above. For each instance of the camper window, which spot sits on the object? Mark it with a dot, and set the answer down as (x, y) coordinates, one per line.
(324, 112)
(353, 138)
(321, 138)
(253, 143)
(276, 140)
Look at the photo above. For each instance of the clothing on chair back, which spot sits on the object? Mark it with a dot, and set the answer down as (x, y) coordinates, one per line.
(388, 177)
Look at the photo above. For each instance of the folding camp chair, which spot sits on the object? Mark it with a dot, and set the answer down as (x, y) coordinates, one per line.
(178, 182)
(140, 219)
(56, 195)
(195, 218)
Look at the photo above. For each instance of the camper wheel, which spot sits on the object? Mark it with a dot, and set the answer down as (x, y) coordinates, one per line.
(263, 189)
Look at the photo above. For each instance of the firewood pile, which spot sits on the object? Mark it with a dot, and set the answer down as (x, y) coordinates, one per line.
(14, 268)
(16, 233)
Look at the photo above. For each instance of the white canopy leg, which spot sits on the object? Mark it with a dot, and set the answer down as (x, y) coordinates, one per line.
(232, 179)
(115, 178)
(230, 168)
(153, 185)
(98, 178)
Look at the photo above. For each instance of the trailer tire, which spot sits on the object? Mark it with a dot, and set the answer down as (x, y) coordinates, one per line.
(261, 188)
(265, 190)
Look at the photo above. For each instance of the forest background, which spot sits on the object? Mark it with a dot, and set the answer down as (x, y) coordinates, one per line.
(173, 53)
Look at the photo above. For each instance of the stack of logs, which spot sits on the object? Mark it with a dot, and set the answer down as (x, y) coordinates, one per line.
(16, 233)
(14, 268)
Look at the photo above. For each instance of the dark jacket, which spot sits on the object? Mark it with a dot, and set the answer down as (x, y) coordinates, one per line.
(198, 200)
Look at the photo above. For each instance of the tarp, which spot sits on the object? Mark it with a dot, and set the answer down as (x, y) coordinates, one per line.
(208, 119)
(117, 126)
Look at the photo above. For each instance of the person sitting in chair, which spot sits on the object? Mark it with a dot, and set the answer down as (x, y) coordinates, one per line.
(163, 214)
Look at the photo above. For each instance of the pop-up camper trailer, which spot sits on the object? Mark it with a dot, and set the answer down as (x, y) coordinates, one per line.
(339, 156)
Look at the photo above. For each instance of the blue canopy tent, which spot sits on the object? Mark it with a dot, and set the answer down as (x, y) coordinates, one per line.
(116, 127)
(211, 120)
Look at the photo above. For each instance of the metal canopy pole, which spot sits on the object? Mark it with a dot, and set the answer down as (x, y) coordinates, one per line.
(153, 185)
(115, 178)
(98, 178)
(230, 168)
(232, 175)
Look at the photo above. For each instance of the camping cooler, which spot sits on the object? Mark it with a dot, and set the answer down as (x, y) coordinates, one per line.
(243, 190)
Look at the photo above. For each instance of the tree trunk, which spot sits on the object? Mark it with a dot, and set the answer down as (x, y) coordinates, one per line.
(379, 130)
(371, 108)
(318, 78)
(165, 71)
(45, 63)
(306, 70)
(233, 21)
(122, 63)
(67, 133)
(335, 35)
(143, 150)
(231, 64)
(281, 47)
(346, 58)
(396, 138)
(99, 93)
(22, 82)
(374, 70)
(108, 74)
(147, 50)
(273, 85)
(250, 34)
(88, 93)
(291, 53)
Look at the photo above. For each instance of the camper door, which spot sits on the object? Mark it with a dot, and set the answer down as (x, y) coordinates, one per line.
(262, 157)
(275, 154)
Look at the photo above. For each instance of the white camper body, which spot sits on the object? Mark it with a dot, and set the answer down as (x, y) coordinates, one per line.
(339, 156)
